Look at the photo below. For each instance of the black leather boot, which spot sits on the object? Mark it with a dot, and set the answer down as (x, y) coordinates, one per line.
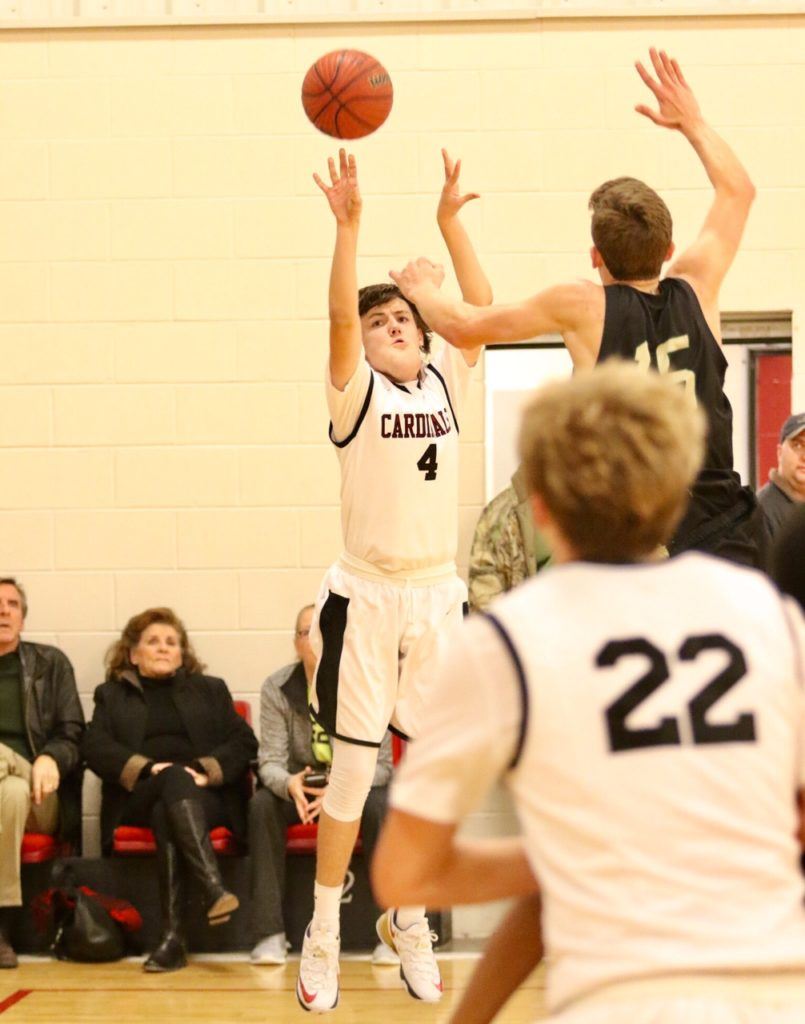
(170, 953)
(8, 958)
(189, 827)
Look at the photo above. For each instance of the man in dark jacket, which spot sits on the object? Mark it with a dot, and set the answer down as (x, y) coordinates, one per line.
(787, 566)
(41, 724)
(786, 486)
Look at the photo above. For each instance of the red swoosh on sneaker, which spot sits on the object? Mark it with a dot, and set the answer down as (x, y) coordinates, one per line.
(305, 995)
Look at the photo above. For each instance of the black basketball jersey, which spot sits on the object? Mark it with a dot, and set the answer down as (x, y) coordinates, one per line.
(668, 333)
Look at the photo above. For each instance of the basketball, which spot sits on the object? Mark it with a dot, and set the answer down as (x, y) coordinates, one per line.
(347, 94)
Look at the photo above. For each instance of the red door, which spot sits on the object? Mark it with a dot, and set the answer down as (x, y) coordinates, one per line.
(772, 400)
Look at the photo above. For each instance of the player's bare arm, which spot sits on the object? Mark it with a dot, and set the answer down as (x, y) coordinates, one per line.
(418, 861)
(705, 263)
(344, 197)
(511, 954)
(575, 310)
(472, 280)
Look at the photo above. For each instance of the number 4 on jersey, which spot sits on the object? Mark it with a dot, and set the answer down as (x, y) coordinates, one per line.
(428, 464)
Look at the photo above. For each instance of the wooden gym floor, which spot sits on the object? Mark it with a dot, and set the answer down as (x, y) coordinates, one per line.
(229, 991)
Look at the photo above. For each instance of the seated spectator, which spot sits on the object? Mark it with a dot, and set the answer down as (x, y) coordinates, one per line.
(172, 752)
(507, 547)
(786, 486)
(41, 723)
(787, 566)
(292, 747)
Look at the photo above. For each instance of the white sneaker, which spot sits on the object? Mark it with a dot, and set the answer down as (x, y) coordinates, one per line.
(271, 950)
(317, 984)
(414, 946)
(384, 956)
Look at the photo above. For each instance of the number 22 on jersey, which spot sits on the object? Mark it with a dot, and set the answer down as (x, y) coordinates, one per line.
(667, 731)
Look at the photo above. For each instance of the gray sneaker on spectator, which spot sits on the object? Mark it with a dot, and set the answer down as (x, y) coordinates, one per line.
(271, 950)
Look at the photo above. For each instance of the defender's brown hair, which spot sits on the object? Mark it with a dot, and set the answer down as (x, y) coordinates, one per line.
(631, 228)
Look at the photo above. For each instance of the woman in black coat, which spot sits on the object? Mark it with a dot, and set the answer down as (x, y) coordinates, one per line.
(172, 753)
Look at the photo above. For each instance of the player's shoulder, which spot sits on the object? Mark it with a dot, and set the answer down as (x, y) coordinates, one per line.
(579, 297)
(682, 285)
(447, 358)
(687, 292)
(720, 570)
(361, 372)
(745, 594)
(532, 599)
(693, 572)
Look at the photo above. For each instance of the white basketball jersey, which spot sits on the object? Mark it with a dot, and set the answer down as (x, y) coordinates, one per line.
(399, 468)
(662, 750)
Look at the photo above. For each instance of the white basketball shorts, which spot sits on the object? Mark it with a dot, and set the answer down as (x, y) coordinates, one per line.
(378, 641)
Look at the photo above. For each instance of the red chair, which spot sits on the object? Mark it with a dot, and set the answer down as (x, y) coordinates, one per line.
(135, 841)
(38, 848)
(300, 840)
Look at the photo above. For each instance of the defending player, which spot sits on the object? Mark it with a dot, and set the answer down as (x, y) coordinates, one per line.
(648, 719)
(387, 605)
(671, 324)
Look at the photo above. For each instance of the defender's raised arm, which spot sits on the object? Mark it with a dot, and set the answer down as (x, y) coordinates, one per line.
(706, 262)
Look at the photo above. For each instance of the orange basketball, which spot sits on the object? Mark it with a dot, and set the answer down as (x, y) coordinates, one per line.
(347, 94)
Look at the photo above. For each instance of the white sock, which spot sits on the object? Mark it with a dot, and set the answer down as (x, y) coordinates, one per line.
(327, 906)
(404, 917)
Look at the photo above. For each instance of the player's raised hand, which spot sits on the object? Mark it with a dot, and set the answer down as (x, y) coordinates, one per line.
(416, 274)
(451, 199)
(343, 193)
(678, 107)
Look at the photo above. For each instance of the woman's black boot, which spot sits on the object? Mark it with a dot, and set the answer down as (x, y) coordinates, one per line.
(189, 826)
(170, 954)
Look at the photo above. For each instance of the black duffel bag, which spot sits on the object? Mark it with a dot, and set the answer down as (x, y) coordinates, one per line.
(89, 927)
(85, 930)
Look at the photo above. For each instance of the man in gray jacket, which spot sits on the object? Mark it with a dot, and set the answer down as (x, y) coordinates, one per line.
(292, 747)
(41, 724)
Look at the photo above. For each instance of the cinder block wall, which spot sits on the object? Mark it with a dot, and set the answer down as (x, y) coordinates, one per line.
(163, 285)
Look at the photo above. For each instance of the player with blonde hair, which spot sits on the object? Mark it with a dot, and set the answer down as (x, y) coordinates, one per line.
(635, 446)
(648, 719)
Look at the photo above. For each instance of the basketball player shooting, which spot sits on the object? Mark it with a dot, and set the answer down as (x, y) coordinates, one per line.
(671, 324)
(388, 604)
(648, 720)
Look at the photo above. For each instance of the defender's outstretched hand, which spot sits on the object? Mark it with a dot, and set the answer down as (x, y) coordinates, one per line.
(679, 108)
(343, 194)
(416, 274)
(451, 199)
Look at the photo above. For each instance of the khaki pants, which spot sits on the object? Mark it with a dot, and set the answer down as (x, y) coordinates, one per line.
(18, 813)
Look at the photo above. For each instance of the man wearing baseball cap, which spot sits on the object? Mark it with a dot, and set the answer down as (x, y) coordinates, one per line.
(786, 486)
